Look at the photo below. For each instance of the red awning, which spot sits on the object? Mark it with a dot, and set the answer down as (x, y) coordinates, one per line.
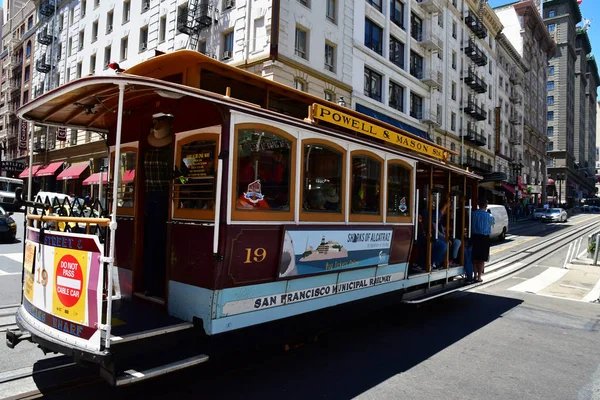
(550, 181)
(49, 169)
(25, 173)
(73, 172)
(509, 188)
(94, 179)
(128, 176)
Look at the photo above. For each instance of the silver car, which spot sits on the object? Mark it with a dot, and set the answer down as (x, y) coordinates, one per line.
(555, 215)
(538, 212)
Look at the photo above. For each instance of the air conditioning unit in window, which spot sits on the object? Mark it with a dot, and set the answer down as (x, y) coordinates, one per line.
(109, 29)
(145, 6)
(226, 54)
(229, 4)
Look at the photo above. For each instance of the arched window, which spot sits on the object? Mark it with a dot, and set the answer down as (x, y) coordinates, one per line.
(323, 181)
(366, 192)
(126, 174)
(28, 49)
(264, 175)
(399, 189)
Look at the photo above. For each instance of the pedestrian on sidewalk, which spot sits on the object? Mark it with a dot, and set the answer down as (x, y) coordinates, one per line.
(481, 229)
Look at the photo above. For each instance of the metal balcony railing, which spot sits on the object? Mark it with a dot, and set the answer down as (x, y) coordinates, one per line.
(429, 40)
(431, 5)
(470, 134)
(476, 25)
(431, 118)
(478, 165)
(475, 53)
(432, 78)
(475, 82)
(474, 110)
(515, 119)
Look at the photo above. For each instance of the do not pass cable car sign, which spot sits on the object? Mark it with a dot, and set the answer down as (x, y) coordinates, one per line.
(70, 268)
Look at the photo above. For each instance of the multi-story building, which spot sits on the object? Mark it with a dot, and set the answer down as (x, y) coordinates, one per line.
(526, 31)
(17, 65)
(509, 112)
(591, 96)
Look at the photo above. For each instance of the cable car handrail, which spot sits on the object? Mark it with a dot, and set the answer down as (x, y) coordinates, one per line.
(81, 220)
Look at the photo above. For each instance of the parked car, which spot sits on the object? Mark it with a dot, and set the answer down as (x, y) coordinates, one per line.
(555, 215)
(538, 212)
(8, 226)
(7, 192)
(500, 227)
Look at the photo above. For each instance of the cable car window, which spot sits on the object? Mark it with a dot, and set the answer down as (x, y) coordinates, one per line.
(194, 185)
(263, 171)
(398, 190)
(366, 185)
(323, 176)
(126, 191)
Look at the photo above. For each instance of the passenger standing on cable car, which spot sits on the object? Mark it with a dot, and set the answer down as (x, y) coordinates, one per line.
(481, 229)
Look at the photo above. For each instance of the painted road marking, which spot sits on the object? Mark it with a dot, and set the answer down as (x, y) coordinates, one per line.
(509, 246)
(543, 280)
(594, 294)
(18, 257)
(4, 273)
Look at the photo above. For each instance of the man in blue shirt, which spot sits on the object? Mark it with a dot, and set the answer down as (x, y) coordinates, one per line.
(481, 228)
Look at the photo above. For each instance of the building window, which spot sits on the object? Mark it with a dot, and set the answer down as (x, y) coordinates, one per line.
(28, 49)
(162, 32)
(71, 16)
(109, 21)
(25, 97)
(397, 52)
(301, 43)
(228, 46)
(454, 30)
(550, 115)
(94, 31)
(551, 14)
(551, 27)
(329, 57)
(126, 11)
(83, 7)
(550, 146)
(416, 65)
(27, 74)
(396, 96)
(305, 3)
(397, 13)
(453, 91)
(106, 57)
(81, 39)
(416, 27)
(375, 3)
(68, 75)
(330, 10)
(551, 70)
(550, 100)
(96, 3)
(145, 5)
(550, 131)
(79, 69)
(373, 36)
(93, 64)
(453, 121)
(70, 47)
(373, 84)
(143, 39)
(329, 96)
(416, 106)
(550, 85)
(454, 60)
(300, 84)
(399, 191)
(124, 48)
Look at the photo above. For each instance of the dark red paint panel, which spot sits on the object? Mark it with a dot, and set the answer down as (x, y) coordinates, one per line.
(192, 260)
(124, 243)
(401, 244)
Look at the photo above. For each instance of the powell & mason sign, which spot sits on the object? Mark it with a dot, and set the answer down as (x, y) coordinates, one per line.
(349, 122)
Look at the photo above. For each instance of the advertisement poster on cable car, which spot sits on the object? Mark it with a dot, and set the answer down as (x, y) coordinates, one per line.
(312, 252)
(63, 284)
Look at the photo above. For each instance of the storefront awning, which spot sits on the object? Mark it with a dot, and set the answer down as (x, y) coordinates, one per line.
(94, 179)
(508, 188)
(49, 169)
(25, 173)
(73, 172)
(128, 176)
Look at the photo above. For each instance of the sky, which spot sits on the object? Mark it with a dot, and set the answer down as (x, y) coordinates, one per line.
(587, 11)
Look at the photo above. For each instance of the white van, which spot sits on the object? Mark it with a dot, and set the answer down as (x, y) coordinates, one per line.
(7, 192)
(500, 228)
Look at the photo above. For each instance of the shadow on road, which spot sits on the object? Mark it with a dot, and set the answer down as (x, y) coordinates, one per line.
(354, 354)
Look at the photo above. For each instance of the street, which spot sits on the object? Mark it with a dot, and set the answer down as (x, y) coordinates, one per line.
(530, 334)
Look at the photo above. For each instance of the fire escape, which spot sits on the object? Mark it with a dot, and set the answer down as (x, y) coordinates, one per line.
(47, 10)
(195, 18)
(476, 85)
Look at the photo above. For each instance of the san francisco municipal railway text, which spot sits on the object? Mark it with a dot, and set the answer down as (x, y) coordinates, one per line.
(313, 293)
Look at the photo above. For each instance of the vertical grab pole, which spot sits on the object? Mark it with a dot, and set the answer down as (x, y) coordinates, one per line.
(454, 218)
(417, 215)
(218, 206)
(101, 186)
(437, 211)
(470, 211)
(30, 128)
(596, 249)
(113, 222)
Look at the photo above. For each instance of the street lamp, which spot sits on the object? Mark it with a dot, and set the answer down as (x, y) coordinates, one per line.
(516, 168)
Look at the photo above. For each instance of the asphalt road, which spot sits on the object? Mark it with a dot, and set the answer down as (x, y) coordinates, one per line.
(512, 339)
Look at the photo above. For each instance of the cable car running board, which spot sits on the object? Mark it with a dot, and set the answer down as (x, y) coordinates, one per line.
(151, 333)
(133, 376)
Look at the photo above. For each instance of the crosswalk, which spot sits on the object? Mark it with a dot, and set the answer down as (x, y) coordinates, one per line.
(577, 282)
(10, 264)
